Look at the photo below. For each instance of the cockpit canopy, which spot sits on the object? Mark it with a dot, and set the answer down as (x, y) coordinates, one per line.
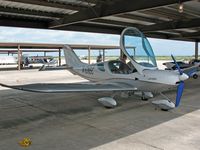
(138, 48)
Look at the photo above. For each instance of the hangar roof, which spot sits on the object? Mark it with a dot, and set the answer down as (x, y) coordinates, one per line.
(54, 46)
(157, 18)
(45, 47)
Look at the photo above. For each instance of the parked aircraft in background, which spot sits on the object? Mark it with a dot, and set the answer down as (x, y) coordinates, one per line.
(140, 77)
(195, 62)
(191, 70)
(8, 60)
(31, 61)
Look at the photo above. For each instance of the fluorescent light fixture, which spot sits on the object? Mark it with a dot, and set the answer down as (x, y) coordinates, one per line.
(180, 7)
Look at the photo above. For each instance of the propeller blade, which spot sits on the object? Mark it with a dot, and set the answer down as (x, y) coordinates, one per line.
(177, 66)
(180, 89)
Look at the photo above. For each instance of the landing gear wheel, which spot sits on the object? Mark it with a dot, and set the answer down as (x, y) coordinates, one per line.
(195, 76)
(144, 99)
(107, 107)
(164, 109)
(31, 67)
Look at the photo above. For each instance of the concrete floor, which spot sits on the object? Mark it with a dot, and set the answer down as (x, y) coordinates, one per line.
(79, 122)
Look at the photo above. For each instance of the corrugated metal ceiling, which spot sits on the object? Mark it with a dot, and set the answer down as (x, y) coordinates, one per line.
(90, 15)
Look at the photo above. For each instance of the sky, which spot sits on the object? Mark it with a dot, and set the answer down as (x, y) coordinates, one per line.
(160, 47)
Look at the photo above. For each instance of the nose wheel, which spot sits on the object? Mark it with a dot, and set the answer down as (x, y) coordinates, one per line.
(143, 98)
(195, 76)
(164, 104)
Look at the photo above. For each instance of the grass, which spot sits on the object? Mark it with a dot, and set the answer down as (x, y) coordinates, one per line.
(183, 58)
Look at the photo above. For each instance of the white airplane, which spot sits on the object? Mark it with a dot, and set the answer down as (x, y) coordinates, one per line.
(141, 77)
(8, 60)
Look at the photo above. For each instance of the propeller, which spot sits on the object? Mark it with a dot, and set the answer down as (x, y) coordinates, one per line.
(177, 66)
(181, 85)
(179, 93)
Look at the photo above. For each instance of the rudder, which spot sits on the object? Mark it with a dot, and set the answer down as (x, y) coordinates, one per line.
(71, 58)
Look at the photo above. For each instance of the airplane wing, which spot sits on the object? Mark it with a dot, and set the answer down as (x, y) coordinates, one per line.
(71, 87)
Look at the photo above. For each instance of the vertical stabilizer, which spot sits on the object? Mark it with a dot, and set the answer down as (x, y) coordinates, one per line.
(71, 58)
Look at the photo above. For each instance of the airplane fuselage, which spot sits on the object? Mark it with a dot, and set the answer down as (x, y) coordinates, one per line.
(151, 80)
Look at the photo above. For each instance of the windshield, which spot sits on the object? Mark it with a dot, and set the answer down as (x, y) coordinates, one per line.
(137, 47)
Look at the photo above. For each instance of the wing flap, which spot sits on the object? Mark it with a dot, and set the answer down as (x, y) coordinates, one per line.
(70, 87)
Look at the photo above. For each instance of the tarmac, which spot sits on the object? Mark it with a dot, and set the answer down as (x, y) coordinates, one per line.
(76, 121)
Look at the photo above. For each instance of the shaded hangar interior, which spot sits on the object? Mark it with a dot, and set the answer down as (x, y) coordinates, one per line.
(158, 19)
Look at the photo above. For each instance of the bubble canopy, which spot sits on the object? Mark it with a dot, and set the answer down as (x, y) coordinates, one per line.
(137, 47)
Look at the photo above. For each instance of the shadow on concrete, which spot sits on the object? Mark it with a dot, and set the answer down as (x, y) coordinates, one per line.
(85, 121)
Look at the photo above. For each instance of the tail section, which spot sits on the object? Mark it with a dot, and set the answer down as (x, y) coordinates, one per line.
(71, 58)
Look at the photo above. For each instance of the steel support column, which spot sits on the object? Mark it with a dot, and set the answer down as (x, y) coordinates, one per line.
(19, 57)
(103, 54)
(88, 54)
(59, 57)
(196, 49)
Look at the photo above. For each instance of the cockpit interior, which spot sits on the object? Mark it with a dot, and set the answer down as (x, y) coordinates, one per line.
(119, 67)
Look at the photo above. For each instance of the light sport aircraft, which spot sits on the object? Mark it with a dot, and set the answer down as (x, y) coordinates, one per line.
(140, 77)
(191, 70)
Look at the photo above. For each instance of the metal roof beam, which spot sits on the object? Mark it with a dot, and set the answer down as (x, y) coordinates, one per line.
(104, 10)
(170, 25)
(49, 4)
(28, 12)
(165, 13)
(86, 27)
(140, 18)
(187, 35)
(159, 36)
(186, 11)
(22, 23)
(97, 28)
(82, 27)
(112, 23)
